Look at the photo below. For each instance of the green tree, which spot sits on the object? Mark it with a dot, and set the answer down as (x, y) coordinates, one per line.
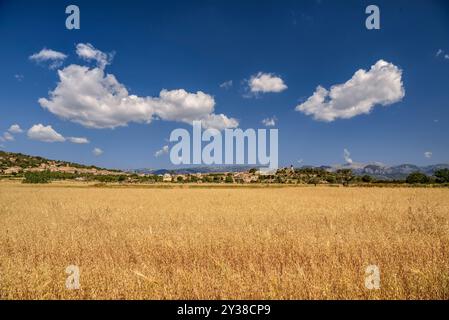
(331, 179)
(367, 178)
(442, 176)
(314, 180)
(344, 175)
(417, 177)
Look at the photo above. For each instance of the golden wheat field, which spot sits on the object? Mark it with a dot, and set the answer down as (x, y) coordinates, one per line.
(223, 243)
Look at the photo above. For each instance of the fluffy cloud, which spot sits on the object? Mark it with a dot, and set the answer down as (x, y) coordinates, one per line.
(159, 153)
(97, 152)
(47, 55)
(269, 122)
(78, 140)
(15, 128)
(347, 156)
(217, 121)
(7, 137)
(48, 134)
(44, 133)
(94, 99)
(88, 52)
(428, 154)
(266, 82)
(381, 85)
(97, 100)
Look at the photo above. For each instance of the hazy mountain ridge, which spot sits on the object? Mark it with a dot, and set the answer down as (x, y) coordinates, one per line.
(376, 170)
(200, 169)
(385, 172)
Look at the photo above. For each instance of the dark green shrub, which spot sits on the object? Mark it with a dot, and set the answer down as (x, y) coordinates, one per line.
(37, 177)
(417, 177)
(442, 176)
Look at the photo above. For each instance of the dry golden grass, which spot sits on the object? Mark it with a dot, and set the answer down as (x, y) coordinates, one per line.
(236, 243)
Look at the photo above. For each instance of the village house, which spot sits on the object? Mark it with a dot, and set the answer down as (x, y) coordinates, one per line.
(245, 177)
(38, 169)
(12, 170)
(65, 169)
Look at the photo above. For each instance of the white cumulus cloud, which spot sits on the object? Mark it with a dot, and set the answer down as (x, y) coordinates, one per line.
(44, 133)
(428, 154)
(216, 121)
(381, 85)
(159, 153)
(48, 134)
(95, 99)
(266, 82)
(7, 137)
(97, 152)
(15, 128)
(87, 52)
(48, 55)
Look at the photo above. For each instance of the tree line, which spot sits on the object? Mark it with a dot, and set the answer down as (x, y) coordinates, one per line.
(282, 176)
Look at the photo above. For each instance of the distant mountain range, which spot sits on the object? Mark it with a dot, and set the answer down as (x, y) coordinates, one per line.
(384, 172)
(192, 170)
(376, 170)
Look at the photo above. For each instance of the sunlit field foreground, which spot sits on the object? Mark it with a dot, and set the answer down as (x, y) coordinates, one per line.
(227, 243)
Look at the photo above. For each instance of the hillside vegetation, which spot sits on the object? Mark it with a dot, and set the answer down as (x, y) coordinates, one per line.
(10, 159)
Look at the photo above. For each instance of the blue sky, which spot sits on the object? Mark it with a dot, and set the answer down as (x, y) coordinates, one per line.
(199, 45)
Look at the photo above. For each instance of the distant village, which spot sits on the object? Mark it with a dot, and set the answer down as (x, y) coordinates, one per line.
(284, 175)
